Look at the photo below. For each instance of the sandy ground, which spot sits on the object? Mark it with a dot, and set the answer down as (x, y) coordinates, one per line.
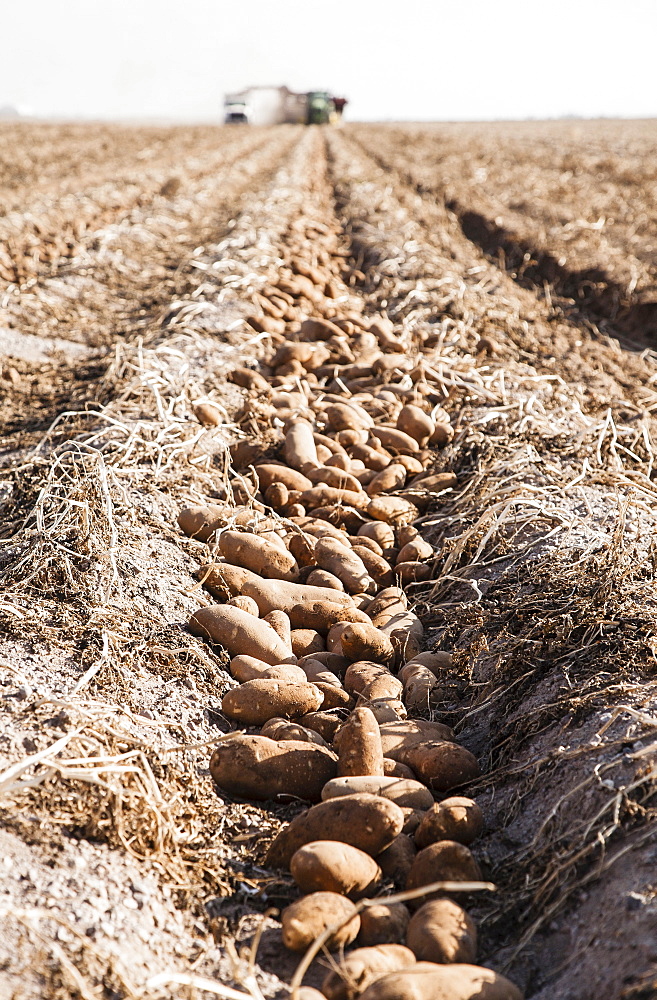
(131, 260)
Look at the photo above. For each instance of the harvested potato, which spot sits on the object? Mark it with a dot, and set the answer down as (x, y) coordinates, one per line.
(311, 916)
(364, 821)
(271, 595)
(255, 702)
(257, 554)
(456, 818)
(223, 580)
(440, 765)
(342, 562)
(427, 981)
(322, 578)
(332, 476)
(444, 861)
(358, 744)
(420, 687)
(334, 697)
(306, 641)
(414, 551)
(416, 423)
(240, 632)
(283, 729)
(389, 479)
(365, 642)
(377, 567)
(245, 603)
(202, 522)
(323, 614)
(255, 767)
(397, 860)
(280, 623)
(412, 572)
(318, 497)
(268, 474)
(393, 769)
(441, 931)
(333, 866)
(360, 673)
(300, 448)
(404, 791)
(383, 534)
(383, 923)
(325, 723)
(363, 965)
(397, 735)
(382, 688)
(392, 510)
(395, 440)
(436, 662)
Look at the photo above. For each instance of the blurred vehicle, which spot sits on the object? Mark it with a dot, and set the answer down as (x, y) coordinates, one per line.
(280, 105)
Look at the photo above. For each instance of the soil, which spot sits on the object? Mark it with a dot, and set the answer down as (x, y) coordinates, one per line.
(131, 260)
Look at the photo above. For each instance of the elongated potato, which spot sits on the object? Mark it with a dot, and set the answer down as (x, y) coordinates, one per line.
(382, 533)
(343, 562)
(259, 555)
(358, 744)
(318, 497)
(416, 423)
(441, 931)
(248, 668)
(306, 641)
(391, 478)
(224, 580)
(395, 440)
(272, 595)
(283, 729)
(372, 458)
(300, 448)
(362, 966)
(365, 821)
(456, 818)
(240, 632)
(407, 793)
(268, 474)
(440, 765)
(398, 735)
(323, 722)
(361, 673)
(392, 510)
(412, 572)
(333, 866)
(414, 551)
(376, 566)
(322, 615)
(383, 923)
(438, 661)
(322, 578)
(255, 767)
(254, 702)
(332, 476)
(202, 521)
(245, 603)
(311, 916)
(427, 981)
(365, 642)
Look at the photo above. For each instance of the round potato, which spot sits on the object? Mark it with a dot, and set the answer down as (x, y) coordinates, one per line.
(255, 767)
(332, 866)
(441, 931)
(398, 735)
(441, 765)
(397, 860)
(311, 916)
(383, 923)
(457, 818)
(444, 861)
(365, 642)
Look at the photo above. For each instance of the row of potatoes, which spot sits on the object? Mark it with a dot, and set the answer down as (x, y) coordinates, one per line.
(316, 548)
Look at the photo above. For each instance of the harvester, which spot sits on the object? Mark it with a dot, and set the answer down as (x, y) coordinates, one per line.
(321, 109)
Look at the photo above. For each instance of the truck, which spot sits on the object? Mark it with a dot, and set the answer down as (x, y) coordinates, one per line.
(279, 105)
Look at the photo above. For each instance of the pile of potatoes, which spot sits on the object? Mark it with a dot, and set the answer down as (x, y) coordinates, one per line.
(316, 546)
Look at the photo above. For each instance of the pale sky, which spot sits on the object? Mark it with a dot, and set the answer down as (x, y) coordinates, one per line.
(393, 59)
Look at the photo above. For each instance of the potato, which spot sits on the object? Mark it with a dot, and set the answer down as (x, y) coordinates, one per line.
(412, 819)
(416, 423)
(311, 916)
(392, 510)
(331, 476)
(436, 662)
(240, 632)
(248, 668)
(268, 474)
(393, 769)
(283, 729)
(332, 866)
(364, 821)
(374, 459)
(383, 923)
(245, 603)
(384, 687)
(412, 572)
(277, 496)
(300, 448)
(435, 483)
(323, 722)
(441, 931)
(223, 580)
(362, 672)
(420, 684)
(441, 765)
(388, 710)
(257, 554)
(365, 642)
(405, 792)
(362, 966)
(395, 440)
(255, 767)
(201, 522)
(351, 437)
(398, 735)
(397, 859)
(338, 664)
(456, 818)
(272, 595)
(375, 565)
(322, 578)
(415, 550)
(309, 993)
(333, 697)
(331, 555)
(444, 861)
(254, 702)
(412, 465)
(322, 615)
(391, 478)
(342, 416)
(333, 446)
(404, 629)
(340, 515)
(306, 641)
(318, 497)
(318, 329)
(427, 981)
(382, 533)
(358, 744)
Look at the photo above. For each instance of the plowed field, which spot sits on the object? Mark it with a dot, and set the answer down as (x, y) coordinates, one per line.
(500, 277)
